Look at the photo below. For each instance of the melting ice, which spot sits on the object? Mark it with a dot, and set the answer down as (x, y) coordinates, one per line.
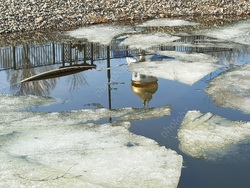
(145, 41)
(193, 57)
(100, 33)
(211, 137)
(193, 67)
(63, 149)
(238, 32)
(232, 89)
(167, 22)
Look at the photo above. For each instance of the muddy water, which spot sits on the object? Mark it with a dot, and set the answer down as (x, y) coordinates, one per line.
(113, 85)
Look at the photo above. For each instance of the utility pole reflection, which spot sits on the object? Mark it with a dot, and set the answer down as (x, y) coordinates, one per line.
(109, 80)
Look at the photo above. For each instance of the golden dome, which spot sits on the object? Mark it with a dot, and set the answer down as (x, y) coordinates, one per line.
(144, 90)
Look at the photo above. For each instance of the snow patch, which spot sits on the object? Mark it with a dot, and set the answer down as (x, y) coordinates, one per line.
(211, 137)
(145, 41)
(192, 57)
(184, 72)
(146, 113)
(65, 149)
(232, 89)
(238, 32)
(100, 33)
(167, 23)
(10, 103)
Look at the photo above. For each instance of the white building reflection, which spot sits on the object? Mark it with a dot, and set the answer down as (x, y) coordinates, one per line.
(143, 85)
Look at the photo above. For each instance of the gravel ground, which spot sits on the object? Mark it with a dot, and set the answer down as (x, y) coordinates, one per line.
(28, 15)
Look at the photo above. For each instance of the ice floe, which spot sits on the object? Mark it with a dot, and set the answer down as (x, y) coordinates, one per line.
(167, 22)
(10, 103)
(232, 89)
(100, 33)
(185, 72)
(207, 44)
(238, 32)
(17, 119)
(145, 41)
(65, 149)
(211, 137)
(192, 57)
(145, 113)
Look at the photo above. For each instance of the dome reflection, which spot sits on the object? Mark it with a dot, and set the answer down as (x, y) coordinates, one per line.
(144, 86)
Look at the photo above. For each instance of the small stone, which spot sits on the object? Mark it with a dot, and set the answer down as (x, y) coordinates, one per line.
(71, 10)
(39, 19)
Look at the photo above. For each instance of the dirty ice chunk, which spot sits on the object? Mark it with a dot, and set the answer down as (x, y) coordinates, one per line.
(102, 155)
(193, 57)
(15, 103)
(16, 120)
(146, 113)
(22, 171)
(64, 150)
(187, 73)
(238, 32)
(100, 33)
(211, 137)
(145, 41)
(167, 22)
(206, 44)
(232, 89)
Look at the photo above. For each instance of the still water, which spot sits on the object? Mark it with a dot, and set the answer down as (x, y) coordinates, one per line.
(113, 86)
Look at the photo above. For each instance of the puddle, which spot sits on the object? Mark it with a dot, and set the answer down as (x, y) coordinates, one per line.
(126, 117)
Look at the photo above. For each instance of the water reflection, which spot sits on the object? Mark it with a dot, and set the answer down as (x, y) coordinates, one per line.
(31, 82)
(61, 71)
(20, 62)
(39, 88)
(23, 61)
(143, 85)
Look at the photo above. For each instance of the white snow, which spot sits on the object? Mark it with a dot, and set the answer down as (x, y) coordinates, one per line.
(182, 71)
(207, 44)
(10, 103)
(102, 34)
(146, 113)
(238, 32)
(64, 150)
(145, 41)
(192, 68)
(211, 137)
(232, 89)
(167, 22)
(192, 57)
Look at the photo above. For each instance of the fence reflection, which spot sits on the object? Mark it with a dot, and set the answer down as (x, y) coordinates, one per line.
(27, 56)
(24, 58)
(67, 53)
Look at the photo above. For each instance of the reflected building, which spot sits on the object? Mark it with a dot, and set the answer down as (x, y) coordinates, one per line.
(143, 85)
